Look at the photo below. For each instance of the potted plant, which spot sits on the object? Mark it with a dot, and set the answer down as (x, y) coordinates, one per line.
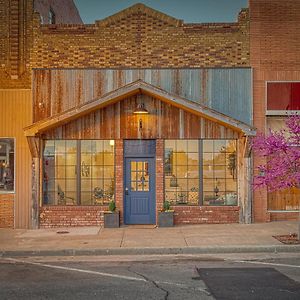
(166, 216)
(112, 217)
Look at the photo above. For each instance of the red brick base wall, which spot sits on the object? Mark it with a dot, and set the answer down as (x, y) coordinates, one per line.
(66, 216)
(284, 216)
(204, 214)
(7, 211)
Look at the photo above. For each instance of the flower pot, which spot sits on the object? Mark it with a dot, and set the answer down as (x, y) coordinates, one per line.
(166, 219)
(112, 219)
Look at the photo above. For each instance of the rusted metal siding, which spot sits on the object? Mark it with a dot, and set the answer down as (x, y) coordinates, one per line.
(15, 114)
(118, 121)
(225, 90)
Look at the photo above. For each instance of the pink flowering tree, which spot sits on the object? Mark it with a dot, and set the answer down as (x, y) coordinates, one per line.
(282, 152)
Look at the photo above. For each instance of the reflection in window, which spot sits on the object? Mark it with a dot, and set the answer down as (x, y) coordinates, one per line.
(6, 165)
(182, 171)
(219, 169)
(78, 172)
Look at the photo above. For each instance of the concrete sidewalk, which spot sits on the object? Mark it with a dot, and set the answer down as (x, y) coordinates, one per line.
(189, 239)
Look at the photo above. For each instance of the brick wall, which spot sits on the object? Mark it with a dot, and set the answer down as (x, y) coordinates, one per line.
(204, 214)
(142, 37)
(274, 55)
(119, 177)
(66, 216)
(7, 211)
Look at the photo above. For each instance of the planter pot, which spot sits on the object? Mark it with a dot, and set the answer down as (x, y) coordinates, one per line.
(166, 219)
(111, 220)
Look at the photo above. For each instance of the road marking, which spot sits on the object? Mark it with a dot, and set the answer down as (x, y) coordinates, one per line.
(77, 270)
(266, 263)
(181, 285)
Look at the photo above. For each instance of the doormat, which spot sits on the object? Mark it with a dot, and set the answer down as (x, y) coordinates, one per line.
(289, 239)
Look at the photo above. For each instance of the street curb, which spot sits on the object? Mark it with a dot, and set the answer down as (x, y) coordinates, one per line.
(154, 251)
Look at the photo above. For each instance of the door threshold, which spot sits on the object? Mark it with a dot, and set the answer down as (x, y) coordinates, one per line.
(140, 226)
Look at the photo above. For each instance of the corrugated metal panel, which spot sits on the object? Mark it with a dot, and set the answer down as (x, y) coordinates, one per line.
(15, 114)
(225, 90)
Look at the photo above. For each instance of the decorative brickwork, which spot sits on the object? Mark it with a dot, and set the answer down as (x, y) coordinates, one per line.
(66, 216)
(7, 211)
(204, 214)
(142, 37)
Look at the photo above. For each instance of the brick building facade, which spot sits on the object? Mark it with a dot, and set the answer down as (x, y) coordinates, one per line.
(78, 85)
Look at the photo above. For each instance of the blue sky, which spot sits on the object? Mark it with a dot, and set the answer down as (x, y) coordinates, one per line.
(191, 11)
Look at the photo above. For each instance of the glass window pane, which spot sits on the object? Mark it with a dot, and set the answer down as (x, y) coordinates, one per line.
(209, 185)
(86, 146)
(60, 146)
(231, 146)
(182, 184)
(86, 159)
(71, 159)
(108, 145)
(219, 145)
(231, 184)
(170, 144)
(181, 146)
(86, 185)
(181, 171)
(71, 146)
(71, 185)
(97, 171)
(193, 184)
(193, 172)
(181, 158)
(86, 198)
(146, 186)
(208, 146)
(60, 172)
(220, 159)
(182, 197)
(208, 171)
(193, 146)
(108, 171)
(208, 158)
(60, 159)
(108, 159)
(219, 171)
(71, 172)
(133, 166)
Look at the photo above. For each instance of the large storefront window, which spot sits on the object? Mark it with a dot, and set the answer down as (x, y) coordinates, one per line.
(7, 162)
(200, 172)
(219, 172)
(78, 172)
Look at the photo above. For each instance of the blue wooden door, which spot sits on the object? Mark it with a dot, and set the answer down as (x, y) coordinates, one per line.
(139, 191)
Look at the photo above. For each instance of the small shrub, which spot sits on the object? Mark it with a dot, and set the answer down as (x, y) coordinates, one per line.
(166, 206)
(112, 206)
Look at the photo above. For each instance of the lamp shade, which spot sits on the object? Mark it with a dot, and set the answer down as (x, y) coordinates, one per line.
(140, 109)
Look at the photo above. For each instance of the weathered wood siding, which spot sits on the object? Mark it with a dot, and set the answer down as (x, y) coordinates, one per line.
(15, 114)
(226, 90)
(117, 121)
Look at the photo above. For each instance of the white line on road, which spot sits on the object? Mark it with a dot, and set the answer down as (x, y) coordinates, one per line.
(77, 270)
(104, 274)
(266, 263)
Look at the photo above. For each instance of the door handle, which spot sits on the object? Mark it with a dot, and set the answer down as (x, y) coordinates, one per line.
(126, 191)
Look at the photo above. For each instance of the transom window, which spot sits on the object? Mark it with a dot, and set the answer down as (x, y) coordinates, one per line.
(200, 172)
(78, 172)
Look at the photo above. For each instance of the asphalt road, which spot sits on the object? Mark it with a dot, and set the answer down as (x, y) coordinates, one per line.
(158, 277)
